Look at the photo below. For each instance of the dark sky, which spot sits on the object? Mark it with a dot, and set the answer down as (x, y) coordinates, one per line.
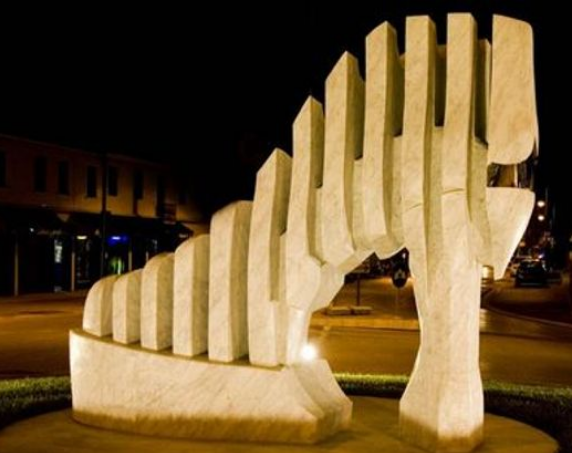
(216, 88)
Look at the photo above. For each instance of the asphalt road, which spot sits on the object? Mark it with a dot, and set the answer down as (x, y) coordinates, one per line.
(503, 358)
(34, 341)
(34, 336)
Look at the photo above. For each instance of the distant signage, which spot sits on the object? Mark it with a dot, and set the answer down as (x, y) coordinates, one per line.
(399, 277)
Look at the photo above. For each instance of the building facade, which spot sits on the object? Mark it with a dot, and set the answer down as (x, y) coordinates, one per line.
(59, 230)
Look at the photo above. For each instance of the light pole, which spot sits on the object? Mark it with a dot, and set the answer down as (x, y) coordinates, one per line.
(103, 251)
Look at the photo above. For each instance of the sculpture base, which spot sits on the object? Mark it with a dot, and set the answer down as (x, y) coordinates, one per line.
(418, 435)
(130, 389)
(374, 429)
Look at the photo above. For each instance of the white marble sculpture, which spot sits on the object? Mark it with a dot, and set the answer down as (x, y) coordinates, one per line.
(398, 161)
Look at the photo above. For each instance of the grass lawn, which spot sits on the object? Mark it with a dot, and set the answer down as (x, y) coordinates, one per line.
(22, 398)
(546, 408)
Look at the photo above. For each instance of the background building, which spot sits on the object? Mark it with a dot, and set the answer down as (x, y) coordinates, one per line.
(60, 231)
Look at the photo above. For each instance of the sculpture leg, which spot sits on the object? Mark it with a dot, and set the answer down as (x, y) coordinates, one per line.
(442, 408)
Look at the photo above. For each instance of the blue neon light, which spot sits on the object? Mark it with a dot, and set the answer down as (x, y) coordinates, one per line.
(118, 239)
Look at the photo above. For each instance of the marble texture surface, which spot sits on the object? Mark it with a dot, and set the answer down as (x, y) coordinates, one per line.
(509, 210)
(452, 226)
(419, 221)
(126, 308)
(157, 303)
(513, 124)
(267, 323)
(128, 388)
(381, 177)
(228, 271)
(342, 146)
(444, 410)
(310, 282)
(477, 202)
(98, 309)
(483, 94)
(191, 296)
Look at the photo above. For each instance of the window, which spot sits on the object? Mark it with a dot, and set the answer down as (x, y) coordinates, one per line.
(138, 185)
(63, 178)
(40, 174)
(182, 194)
(112, 178)
(160, 190)
(160, 195)
(2, 169)
(91, 182)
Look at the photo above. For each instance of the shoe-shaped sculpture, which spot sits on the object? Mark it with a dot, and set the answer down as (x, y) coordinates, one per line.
(207, 342)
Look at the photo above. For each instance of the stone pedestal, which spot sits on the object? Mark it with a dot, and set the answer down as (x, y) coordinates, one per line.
(127, 388)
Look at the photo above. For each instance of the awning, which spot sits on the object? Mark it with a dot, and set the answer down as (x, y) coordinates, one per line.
(181, 230)
(47, 221)
(133, 226)
(31, 220)
(83, 224)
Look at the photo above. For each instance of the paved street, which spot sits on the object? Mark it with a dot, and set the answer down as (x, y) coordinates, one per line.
(33, 336)
(533, 302)
(504, 358)
(513, 348)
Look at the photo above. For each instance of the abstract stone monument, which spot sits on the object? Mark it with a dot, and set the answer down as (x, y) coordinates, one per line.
(398, 161)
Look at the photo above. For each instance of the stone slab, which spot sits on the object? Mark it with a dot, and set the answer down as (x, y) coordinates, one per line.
(157, 302)
(228, 266)
(310, 282)
(191, 296)
(513, 124)
(98, 311)
(342, 310)
(126, 307)
(130, 389)
(267, 322)
(361, 310)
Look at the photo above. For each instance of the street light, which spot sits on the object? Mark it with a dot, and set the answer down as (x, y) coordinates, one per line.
(309, 353)
(103, 251)
(540, 203)
(540, 218)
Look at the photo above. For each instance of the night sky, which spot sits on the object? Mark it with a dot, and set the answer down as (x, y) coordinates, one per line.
(216, 88)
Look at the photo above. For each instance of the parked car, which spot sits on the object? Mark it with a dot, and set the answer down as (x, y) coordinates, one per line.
(515, 263)
(531, 273)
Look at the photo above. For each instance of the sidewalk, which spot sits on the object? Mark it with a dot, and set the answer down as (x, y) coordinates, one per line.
(45, 297)
(391, 308)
